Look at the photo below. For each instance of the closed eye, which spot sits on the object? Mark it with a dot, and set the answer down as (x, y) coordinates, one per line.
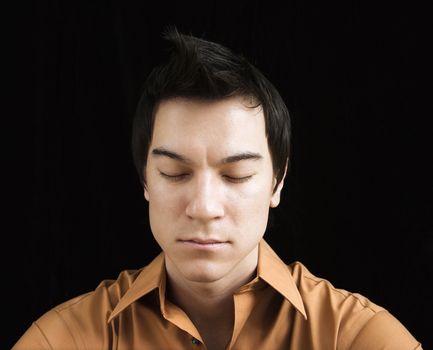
(238, 179)
(174, 178)
(180, 177)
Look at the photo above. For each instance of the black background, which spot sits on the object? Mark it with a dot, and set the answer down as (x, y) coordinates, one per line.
(357, 204)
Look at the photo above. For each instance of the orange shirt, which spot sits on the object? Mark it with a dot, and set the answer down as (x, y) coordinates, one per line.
(284, 307)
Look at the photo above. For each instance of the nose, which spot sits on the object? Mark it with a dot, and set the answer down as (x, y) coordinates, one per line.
(204, 200)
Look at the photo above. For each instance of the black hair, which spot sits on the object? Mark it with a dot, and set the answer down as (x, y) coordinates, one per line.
(199, 69)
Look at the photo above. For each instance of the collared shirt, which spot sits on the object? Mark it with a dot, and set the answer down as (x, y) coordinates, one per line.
(284, 307)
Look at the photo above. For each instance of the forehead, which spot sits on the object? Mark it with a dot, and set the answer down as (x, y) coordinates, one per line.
(229, 119)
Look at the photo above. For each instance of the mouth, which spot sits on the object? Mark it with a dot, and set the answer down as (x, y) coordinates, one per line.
(203, 241)
(209, 244)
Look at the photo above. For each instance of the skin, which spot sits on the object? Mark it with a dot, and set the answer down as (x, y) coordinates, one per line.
(209, 175)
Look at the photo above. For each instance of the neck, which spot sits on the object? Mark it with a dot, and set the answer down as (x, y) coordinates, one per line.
(209, 302)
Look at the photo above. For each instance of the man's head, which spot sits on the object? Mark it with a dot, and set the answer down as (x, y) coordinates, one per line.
(211, 144)
(204, 70)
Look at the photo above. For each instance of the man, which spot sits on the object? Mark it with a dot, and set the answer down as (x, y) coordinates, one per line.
(211, 143)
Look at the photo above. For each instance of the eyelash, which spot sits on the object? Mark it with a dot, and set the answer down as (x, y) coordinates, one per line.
(174, 178)
(177, 178)
(238, 179)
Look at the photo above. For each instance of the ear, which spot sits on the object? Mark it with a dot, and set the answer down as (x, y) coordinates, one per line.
(146, 193)
(276, 196)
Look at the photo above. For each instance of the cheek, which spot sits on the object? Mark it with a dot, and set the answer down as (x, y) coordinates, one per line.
(249, 219)
(250, 207)
(164, 203)
(163, 220)
(165, 207)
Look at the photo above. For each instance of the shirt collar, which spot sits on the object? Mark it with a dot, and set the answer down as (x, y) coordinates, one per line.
(270, 268)
(150, 278)
(276, 273)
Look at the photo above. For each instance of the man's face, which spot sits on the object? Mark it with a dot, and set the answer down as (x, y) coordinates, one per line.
(209, 182)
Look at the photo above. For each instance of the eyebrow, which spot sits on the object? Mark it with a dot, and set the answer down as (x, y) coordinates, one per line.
(163, 152)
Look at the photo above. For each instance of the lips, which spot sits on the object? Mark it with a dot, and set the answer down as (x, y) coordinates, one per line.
(204, 245)
(203, 241)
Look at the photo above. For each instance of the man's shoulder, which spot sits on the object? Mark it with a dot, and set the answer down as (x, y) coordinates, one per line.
(311, 287)
(106, 294)
(103, 298)
(65, 324)
(359, 323)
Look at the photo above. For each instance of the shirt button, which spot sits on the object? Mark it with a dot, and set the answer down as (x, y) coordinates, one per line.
(195, 341)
